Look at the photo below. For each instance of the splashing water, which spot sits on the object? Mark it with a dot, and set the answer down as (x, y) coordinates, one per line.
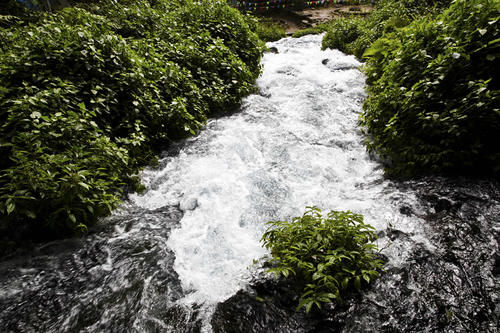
(165, 260)
(293, 145)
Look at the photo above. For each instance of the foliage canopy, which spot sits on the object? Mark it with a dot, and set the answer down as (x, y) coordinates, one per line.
(355, 35)
(268, 30)
(432, 71)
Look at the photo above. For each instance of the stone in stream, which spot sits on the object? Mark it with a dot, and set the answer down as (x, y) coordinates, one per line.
(273, 49)
(188, 204)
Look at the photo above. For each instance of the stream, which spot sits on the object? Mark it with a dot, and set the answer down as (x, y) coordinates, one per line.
(185, 255)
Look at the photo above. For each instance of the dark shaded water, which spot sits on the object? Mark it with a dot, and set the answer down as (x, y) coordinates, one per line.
(180, 257)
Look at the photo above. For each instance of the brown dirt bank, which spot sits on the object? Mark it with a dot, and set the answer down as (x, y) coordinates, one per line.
(296, 20)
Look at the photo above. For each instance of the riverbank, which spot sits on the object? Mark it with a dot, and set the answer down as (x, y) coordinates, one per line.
(114, 84)
(292, 21)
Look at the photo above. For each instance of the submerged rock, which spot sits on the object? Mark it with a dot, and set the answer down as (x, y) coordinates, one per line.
(119, 277)
(273, 49)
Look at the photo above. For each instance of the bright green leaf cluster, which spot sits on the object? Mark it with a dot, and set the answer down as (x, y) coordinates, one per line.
(326, 256)
(434, 93)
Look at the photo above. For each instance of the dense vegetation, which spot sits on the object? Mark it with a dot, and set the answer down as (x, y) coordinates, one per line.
(354, 35)
(326, 257)
(268, 30)
(88, 95)
(317, 29)
(433, 91)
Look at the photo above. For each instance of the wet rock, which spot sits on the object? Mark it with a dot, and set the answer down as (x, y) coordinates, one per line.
(443, 204)
(449, 285)
(269, 306)
(496, 266)
(273, 49)
(394, 234)
(100, 284)
(406, 210)
(325, 61)
(188, 204)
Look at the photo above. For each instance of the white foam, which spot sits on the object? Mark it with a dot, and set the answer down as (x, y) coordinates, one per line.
(296, 146)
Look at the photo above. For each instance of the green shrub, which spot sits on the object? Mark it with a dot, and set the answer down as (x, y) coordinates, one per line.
(270, 31)
(219, 50)
(433, 93)
(341, 33)
(326, 256)
(88, 95)
(318, 29)
(355, 35)
(64, 171)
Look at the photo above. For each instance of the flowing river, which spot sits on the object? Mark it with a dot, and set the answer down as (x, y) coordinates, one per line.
(181, 257)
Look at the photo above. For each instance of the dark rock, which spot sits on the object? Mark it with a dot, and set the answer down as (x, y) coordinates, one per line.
(394, 234)
(406, 210)
(496, 266)
(273, 49)
(65, 285)
(270, 306)
(443, 204)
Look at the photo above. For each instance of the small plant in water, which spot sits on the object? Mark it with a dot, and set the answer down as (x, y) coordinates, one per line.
(326, 256)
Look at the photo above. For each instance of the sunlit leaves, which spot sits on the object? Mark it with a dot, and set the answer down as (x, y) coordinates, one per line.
(87, 95)
(433, 93)
(325, 256)
(269, 31)
(354, 35)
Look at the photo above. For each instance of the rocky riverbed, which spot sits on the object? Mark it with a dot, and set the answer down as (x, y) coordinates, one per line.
(453, 286)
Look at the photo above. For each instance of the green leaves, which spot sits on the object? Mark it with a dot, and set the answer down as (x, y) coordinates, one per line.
(88, 95)
(269, 31)
(326, 255)
(433, 97)
(355, 36)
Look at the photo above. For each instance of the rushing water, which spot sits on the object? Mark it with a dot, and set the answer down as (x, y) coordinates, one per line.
(168, 257)
(293, 145)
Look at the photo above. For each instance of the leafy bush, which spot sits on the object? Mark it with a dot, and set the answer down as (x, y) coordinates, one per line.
(326, 257)
(433, 92)
(88, 95)
(269, 31)
(355, 35)
(342, 33)
(318, 29)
